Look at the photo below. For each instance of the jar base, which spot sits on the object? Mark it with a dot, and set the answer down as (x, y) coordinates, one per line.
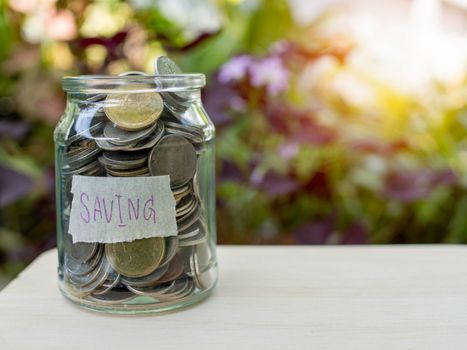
(137, 307)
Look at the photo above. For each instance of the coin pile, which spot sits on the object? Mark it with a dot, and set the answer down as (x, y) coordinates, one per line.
(127, 134)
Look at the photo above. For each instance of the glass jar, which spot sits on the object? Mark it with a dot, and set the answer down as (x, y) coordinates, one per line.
(135, 193)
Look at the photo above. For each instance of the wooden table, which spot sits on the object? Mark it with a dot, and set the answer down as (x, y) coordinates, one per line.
(372, 297)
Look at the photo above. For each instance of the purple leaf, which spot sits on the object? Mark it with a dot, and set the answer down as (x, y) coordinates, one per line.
(15, 129)
(234, 70)
(412, 185)
(220, 100)
(316, 231)
(230, 172)
(355, 234)
(13, 186)
(378, 146)
(274, 184)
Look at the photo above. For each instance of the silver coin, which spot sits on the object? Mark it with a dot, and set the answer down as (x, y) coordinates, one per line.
(171, 248)
(73, 267)
(96, 170)
(113, 280)
(199, 238)
(205, 272)
(148, 280)
(123, 160)
(153, 291)
(178, 100)
(186, 206)
(181, 191)
(128, 173)
(173, 155)
(186, 256)
(151, 140)
(89, 167)
(191, 231)
(99, 279)
(80, 281)
(112, 297)
(176, 107)
(175, 270)
(186, 221)
(190, 129)
(164, 65)
(78, 157)
(80, 251)
(171, 114)
(103, 144)
(166, 292)
(191, 137)
(119, 137)
(181, 289)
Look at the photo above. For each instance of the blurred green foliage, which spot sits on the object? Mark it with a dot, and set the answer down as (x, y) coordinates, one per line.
(311, 147)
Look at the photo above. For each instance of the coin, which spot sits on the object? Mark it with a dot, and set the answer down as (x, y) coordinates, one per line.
(86, 169)
(182, 191)
(175, 269)
(192, 137)
(191, 231)
(173, 155)
(148, 280)
(120, 137)
(199, 238)
(89, 282)
(186, 206)
(113, 280)
(144, 171)
(174, 100)
(74, 267)
(153, 291)
(164, 65)
(177, 106)
(97, 283)
(171, 247)
(181, 288)
(190, 129)
(107, 146)
(80, 156)
(205, 273)
(112, 297)
(151, 140)
(133, 110)
(80, 251)
(137, 258)
(123, 160)
(185, 222)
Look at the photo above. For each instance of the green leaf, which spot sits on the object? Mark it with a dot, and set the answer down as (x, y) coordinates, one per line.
(270, 22)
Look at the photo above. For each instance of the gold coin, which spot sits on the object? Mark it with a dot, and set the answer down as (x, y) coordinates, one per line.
(138, 258)
(133, 110)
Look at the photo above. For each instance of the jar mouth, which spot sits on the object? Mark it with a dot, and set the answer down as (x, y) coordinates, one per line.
(136, 83)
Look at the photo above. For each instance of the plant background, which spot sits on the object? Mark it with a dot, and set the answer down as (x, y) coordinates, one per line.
(338, 122)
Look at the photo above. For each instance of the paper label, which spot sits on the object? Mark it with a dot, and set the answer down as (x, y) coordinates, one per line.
(119, 209)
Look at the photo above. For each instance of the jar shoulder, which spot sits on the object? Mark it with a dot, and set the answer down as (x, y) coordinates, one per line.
(65, 123)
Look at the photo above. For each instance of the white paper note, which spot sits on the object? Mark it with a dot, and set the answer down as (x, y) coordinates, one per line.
(119, 209)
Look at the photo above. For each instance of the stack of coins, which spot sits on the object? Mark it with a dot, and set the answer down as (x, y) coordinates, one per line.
(128, 134)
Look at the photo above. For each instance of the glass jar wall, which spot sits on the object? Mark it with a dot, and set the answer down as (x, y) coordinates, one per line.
(135, 193)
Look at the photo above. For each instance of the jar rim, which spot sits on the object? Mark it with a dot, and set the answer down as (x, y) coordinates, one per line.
(159, 82)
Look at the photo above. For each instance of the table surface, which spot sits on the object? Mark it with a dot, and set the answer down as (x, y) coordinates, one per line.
(360, 297)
